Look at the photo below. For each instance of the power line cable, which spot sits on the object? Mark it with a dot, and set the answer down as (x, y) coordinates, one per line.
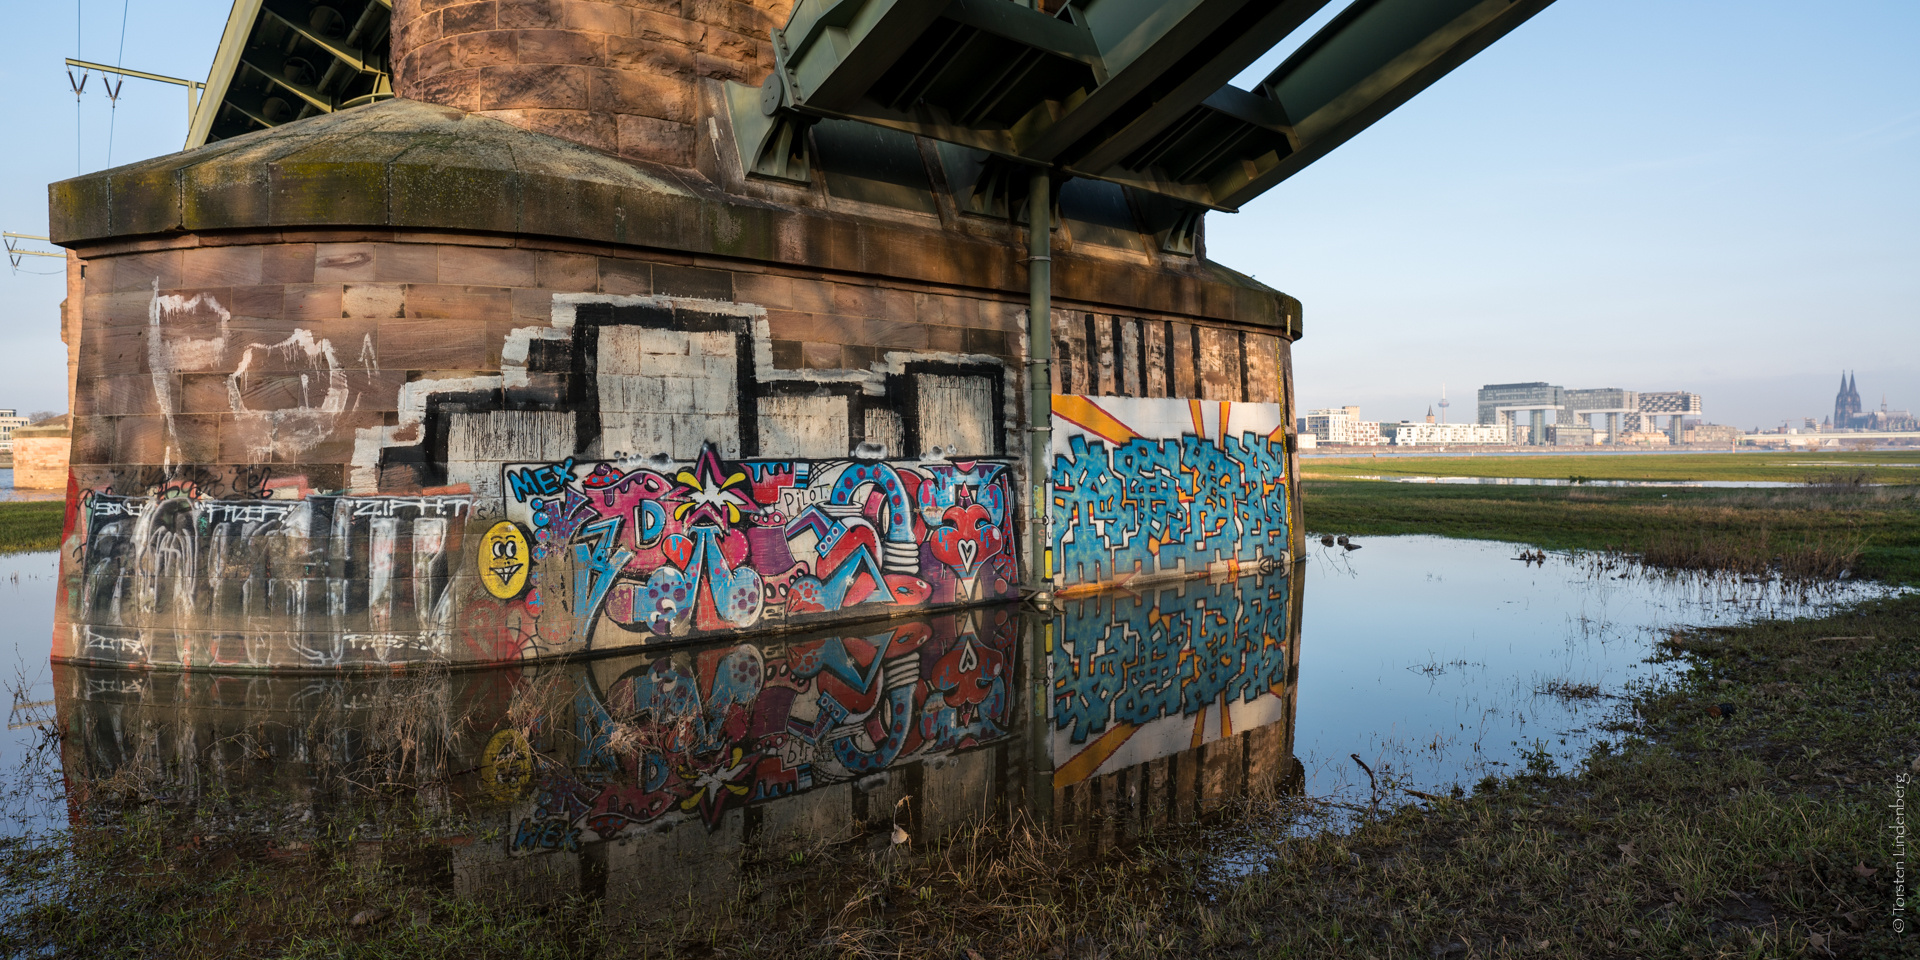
(113, 90)
(79, 50)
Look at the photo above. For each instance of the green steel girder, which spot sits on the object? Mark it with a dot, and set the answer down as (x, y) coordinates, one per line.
(1130, 91)
(1009, 79)
(280, 60)
(973, 72)
(1157, 79)
(283, 71)
(1368, 61)
(298, 17)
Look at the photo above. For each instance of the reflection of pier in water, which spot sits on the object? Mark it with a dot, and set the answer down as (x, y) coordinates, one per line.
(669, 771)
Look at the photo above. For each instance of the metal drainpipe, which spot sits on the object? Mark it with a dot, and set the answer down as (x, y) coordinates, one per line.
(1039, 371)
(1039, 630)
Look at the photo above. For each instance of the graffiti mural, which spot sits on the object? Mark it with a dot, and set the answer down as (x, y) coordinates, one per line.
(637, 470)
(627, 552)
(1153, 487)
(325, 581)
(1138, 677)
(698, 733)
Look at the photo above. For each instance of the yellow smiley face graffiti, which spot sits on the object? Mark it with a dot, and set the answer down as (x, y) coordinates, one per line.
(503, 560)
(506, 765)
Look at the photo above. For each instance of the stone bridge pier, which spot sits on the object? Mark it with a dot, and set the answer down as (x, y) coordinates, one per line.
(525, 362)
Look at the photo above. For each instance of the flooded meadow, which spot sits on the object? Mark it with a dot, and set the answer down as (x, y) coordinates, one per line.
(1374, 671)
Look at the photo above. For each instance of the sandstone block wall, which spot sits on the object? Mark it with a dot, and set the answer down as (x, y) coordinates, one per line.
(617, 76)
(268, 358)
(40, 462)
(352, 415)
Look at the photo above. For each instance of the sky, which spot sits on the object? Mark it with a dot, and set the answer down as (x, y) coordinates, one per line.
(1704, 195)
(1721, 197)
(174, 38)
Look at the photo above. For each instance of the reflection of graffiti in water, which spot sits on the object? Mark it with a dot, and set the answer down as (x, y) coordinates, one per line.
(719, 545)
(1138, 677)
(1151, 486)
(701, 733)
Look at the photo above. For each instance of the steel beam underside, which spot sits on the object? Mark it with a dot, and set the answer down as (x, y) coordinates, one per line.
(1130, 91)
(283, 60)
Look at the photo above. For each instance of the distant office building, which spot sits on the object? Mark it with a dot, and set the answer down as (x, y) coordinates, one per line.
(1672, 404)
(1620, 408)
(1409, 434)
(1573, 434)
(1341, 425)
(1522, 408)
(9, 421)
(1713, 433)
(1503, 404)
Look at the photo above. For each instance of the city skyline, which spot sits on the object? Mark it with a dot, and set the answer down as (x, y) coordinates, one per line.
(1871, 402)
(1501, 227)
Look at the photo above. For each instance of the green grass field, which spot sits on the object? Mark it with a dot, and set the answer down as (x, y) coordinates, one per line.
(1896, 468)
(1811, 531)
(27, 527)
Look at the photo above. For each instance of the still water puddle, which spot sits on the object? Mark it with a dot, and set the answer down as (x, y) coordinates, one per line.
(29, 803)
(1435, 661)
(1448, 660)
(9, 493)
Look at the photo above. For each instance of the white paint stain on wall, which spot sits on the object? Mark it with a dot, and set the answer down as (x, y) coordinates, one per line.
(385, 534)
(477, 443)
(811, 427)
(956, 414)
(172, 347)
(885, 433)
(667, 391)
(305, 418)
(432, 593)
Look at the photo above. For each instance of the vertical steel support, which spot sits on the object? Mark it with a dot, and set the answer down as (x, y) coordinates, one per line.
(1039, 372)
(1037, 636)
(1040, 628)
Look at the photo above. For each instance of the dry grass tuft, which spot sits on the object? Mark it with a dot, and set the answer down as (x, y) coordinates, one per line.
(1804, 533)
(1569, 690)
(1757, 550)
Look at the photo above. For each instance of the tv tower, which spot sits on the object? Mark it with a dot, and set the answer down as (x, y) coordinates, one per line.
(1443, 403)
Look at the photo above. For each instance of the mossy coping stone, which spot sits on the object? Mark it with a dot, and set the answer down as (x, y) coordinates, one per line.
(402, 164)
(59, 426)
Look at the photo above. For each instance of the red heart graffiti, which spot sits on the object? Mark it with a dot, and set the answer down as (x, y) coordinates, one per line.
(967, 538)
(679, 549)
